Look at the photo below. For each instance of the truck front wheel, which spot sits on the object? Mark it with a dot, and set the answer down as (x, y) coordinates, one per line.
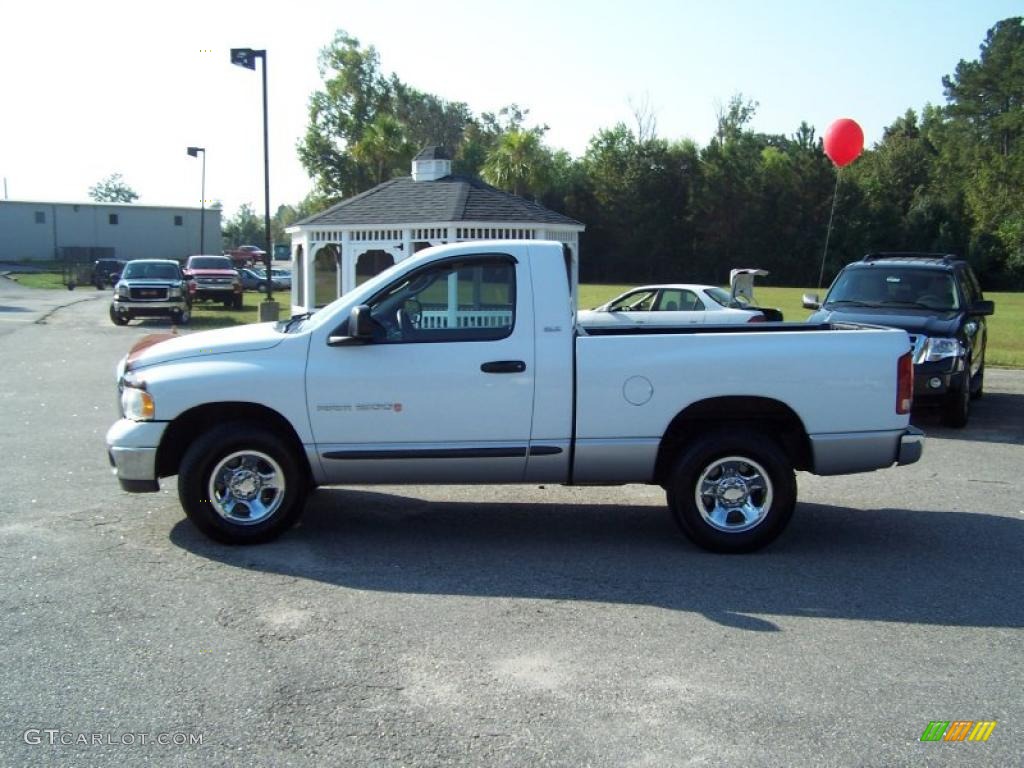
(241, 484)
(732, 491)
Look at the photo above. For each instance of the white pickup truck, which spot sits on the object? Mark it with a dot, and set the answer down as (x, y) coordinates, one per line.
(463, 364)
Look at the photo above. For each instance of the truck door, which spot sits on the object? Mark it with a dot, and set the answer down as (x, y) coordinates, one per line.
(444, 391)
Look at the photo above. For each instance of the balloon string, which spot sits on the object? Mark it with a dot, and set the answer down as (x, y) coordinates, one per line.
(828, 232)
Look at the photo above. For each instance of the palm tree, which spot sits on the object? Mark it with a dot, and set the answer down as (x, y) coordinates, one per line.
(518, 163)
(383, 146)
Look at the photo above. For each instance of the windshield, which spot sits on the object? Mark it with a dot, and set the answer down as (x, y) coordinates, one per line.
(895, 287)
(150, 270)
(210, 262)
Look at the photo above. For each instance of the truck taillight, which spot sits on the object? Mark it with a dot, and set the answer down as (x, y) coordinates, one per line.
(756, 319)
(904, 383)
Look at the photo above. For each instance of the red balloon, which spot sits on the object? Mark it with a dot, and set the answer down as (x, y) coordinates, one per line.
(844, 141)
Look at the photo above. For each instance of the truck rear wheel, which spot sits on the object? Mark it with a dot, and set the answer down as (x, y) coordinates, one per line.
(241, 484)
(732, 491)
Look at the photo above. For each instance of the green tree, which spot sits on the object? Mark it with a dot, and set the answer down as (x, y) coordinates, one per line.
(244, 228)
(983, 148)
(364, 127)
(519, 163)
(112, 189)
(383, 148)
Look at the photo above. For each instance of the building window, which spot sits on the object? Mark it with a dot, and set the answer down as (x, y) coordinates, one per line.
(113, 219)
(40, 217)
(177, 221)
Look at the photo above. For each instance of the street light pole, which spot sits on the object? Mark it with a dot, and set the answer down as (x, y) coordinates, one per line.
(194, 152)
(246, 57)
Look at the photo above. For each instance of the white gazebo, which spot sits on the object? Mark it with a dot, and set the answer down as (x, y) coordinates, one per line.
(337, 249)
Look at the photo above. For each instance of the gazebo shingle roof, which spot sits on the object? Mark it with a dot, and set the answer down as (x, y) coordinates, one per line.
(451, 198)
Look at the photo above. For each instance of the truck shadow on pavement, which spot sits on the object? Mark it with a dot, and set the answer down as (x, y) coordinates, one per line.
(894, 565)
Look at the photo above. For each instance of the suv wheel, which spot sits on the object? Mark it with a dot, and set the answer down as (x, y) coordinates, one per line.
(117, 318)
(978, 382)
(957, 406)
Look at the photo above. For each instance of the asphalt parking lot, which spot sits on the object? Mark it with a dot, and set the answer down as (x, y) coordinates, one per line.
(492, 626)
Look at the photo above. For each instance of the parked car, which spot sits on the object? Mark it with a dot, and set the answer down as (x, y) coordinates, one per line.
(151, 288)
(683, 304)
(106, 272)
(937, 299)
(410, 378)
(214, 278)
(283, 277)
(244, 255)
(254, 279)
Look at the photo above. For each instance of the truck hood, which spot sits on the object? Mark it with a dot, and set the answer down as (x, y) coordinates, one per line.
(166, 347)
(911, 321)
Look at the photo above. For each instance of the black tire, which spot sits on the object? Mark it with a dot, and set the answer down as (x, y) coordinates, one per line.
(956, 408)
(229, 303)
(117, 318)
(215, 512)
(182, 317)
(978, 382)
(758, 473)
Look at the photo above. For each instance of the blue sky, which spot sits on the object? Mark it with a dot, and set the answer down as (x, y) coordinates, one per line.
(93, 88)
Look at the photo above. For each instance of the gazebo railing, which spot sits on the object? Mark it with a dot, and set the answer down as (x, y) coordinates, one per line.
(432, 319)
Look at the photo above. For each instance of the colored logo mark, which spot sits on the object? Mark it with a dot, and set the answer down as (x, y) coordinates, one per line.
(958, 730)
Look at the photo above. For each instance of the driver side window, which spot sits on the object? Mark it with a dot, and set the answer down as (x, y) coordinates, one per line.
(471, 299)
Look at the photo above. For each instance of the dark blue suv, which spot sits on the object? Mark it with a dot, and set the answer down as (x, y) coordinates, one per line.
(936, 299)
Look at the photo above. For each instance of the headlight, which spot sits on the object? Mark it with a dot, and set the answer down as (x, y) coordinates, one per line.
(935, 349)
(122, 291)
(174, 291)
(137, 404)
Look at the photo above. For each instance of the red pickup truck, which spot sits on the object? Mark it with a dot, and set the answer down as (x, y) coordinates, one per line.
(214, 277)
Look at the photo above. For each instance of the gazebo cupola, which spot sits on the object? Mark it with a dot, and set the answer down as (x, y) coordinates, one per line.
(431, 164)
(335, 250)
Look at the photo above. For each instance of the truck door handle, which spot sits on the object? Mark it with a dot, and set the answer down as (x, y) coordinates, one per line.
(503, 366)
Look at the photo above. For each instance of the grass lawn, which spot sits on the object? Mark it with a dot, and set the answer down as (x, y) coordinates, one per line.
(43, 280)
(1006, 327)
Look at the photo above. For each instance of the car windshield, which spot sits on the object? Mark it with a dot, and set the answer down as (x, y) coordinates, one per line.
(210, 262)
(150, 270)
(879, 286)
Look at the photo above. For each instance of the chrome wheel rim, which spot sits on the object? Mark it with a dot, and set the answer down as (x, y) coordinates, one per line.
(733, 494)
(246, 487)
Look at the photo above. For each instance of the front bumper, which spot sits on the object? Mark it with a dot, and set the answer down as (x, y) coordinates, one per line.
(131, 448)
(138, 308)
(932, 381)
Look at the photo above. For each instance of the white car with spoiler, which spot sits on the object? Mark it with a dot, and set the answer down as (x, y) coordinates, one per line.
(683, 304)
(464, 364)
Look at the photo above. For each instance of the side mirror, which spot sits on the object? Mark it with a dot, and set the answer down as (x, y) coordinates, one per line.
(810, 301)
(983, 308)
(360, 329)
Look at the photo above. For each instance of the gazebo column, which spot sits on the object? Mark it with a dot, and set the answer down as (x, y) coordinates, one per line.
(309, 276)
(301, 240)
(406, 244)
(348, 264)
(343, 256)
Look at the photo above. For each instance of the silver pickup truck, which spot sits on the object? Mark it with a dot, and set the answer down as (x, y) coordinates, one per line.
(463, 364)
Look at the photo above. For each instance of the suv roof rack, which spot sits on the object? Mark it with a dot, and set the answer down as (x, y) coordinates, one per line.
(936, 258)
